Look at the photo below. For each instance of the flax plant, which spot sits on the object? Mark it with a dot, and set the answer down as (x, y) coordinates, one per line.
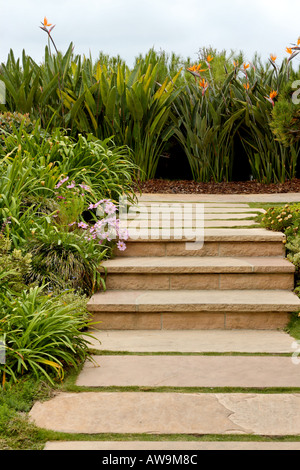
(251, 112)
(201, 110)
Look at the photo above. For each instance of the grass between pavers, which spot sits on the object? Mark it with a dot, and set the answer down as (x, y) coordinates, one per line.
(18, 433)
(99, 352)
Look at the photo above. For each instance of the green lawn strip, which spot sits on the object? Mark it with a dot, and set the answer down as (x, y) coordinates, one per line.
(31, 443)
(235, 227)
(57, 436)
(294, 327)
(186, 390)
(98, 352)
(267, 205)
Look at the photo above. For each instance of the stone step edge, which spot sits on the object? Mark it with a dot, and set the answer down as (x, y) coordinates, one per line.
(189, 301)
(224, 235)
(171, 445)
(124, 265)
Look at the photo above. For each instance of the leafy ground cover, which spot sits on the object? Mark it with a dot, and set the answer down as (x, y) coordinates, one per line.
(59, 202)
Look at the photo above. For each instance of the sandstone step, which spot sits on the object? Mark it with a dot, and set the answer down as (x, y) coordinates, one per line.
(191, 208)
(170, 413)
(217, 242)
(191, 309)
(178, 272)
(187, 200)
(135, 226)
(189, 371)
(178, 264)
(210, 281)
(200, 341)
(170, 445)
(191, 301)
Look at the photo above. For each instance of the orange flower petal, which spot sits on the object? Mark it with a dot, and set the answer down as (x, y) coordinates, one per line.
(273, 94)
(46, 22)
(203, 83)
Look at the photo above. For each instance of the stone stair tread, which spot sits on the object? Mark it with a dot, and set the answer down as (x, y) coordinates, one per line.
(188, 371)
(137, 227)
(186, 200)
(190, 216)
(192, 264)
(170, 445)
(224, 234)
(207, 209)
(262, 414)
(193, 341)
(192, 300)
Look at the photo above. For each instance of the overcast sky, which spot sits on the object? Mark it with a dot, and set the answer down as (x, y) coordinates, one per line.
(130, 27)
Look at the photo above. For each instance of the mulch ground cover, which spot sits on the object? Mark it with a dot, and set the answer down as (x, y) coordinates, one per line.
(235, 187)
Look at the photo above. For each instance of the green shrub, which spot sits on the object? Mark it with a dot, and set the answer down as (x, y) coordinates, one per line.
(42, 335)
(293, 247)
(41, 160)
(14, 266)
(63, 259)
(286, 116)
(12, 122)
(282, 219)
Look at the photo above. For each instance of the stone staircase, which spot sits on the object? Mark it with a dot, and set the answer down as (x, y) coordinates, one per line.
(239, 278)
(178, 327)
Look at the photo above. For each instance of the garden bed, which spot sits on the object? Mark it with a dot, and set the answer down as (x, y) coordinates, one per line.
(235, 187)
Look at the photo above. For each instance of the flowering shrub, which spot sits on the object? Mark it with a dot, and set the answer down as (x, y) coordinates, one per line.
(108, 226)
(286, 219)
(282, 219)
(73, 199)
(293, 247)
(13, 266)
(9, 122)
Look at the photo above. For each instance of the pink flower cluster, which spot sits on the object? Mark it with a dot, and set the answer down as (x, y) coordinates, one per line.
(71, 185)
(107, 227)
(61, 182)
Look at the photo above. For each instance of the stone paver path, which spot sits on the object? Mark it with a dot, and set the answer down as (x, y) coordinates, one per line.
(172, 446)
(193, 341)
(190, 371)
(165, 308)
(171, 413)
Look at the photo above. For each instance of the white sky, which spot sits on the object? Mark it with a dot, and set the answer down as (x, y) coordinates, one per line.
(131, 27)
